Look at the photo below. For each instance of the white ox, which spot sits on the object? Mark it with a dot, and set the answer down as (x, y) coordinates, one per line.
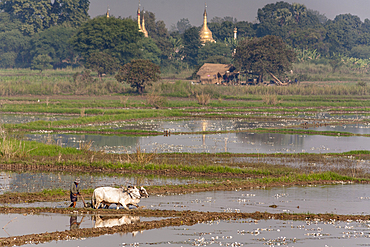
(109, 195)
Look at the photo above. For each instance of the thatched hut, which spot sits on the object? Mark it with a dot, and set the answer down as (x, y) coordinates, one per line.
(211, 73)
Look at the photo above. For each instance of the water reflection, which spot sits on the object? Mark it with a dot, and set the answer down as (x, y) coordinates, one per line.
(337, 199)
(110, 221)
(360, 129)
(22, 224)
(243, 232)
(241, 142)
(329, 116)
(201, 125)
(349, 199)
(74, 223)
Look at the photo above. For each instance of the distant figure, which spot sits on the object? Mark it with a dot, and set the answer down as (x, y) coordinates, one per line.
(74, 191)
(73, 223)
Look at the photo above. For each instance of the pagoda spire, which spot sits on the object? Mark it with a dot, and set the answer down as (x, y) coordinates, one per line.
(138, 18)
(205, 34)
(108, 12)
(143, 29)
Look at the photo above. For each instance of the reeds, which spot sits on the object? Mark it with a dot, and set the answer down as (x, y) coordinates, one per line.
(123, 100)
(156, 101)
(10, 148)
(140, 157)
(85, 146)
(82, 112)
(270, 99)
(203, 99)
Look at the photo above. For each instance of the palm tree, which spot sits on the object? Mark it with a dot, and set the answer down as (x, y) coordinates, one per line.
(299, 10)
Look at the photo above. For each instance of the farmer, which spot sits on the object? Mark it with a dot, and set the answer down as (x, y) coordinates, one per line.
(75, 190)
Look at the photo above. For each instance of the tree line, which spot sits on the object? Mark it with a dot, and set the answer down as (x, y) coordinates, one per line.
(42, 34)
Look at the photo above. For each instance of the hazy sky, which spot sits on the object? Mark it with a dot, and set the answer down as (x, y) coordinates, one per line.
(171, 11)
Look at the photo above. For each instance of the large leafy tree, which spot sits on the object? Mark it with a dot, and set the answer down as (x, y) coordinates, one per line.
(222, 31)
(54, 43)
(158, 32)
(13, 42)
(12, 46)
(149, 50)
(139, 74)
(182, 25)
(343, 33)
(191, 41)
(71, 12)
(112, 36)
(102, 63)
(37, 15)
(210, 50)
(281, 18)
(41, 62)
(261, 56)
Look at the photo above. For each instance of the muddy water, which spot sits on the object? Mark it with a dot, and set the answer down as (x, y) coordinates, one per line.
(239, 233)
(242, 142)
(35, 182)
(22, 224)
(350, 199)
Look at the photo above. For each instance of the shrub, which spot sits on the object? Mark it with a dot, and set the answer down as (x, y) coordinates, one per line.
(156, 101)
(203, 99)
(361, 84)
(270, 99)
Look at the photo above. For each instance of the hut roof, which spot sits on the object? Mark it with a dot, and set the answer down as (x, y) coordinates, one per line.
(213, 69)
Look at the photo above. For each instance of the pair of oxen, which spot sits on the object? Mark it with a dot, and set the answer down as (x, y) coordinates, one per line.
(119, 196)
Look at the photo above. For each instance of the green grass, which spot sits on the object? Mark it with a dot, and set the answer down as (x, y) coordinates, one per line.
(23, 149)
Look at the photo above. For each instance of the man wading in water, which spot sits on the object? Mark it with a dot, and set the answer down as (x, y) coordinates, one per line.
(75, 190)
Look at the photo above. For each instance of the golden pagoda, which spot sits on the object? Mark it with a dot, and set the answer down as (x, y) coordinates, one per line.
(108, 12)
(141, 26)
(205, 34)
(143, 29)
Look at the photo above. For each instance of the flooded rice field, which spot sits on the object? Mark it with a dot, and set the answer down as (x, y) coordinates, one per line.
(34, 182)
(360, 129)
(22, 224)
(337, 199)
(19, 119)
(344, 199)
(235, 233)
(202, 125)
(335, 117)
(347, 165)
(241, 142)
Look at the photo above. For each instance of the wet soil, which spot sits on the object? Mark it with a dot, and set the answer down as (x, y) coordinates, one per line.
(177, 219)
